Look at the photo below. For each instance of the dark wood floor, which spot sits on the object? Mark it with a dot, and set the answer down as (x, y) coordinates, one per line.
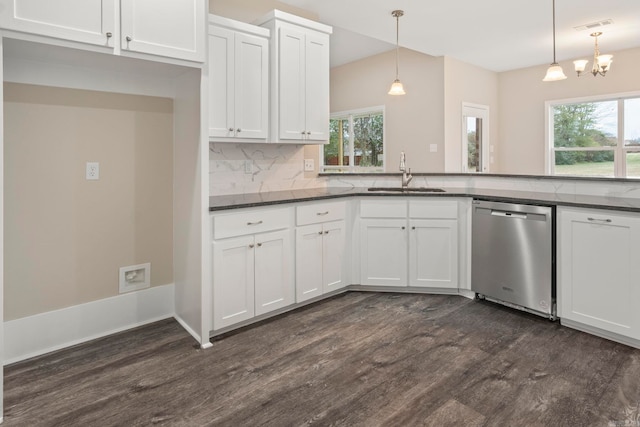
(359, 359)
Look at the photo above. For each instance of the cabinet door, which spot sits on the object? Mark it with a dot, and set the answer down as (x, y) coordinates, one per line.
(87, 21)
(273, 275)
(433, 253)
(383, 252)
(333, 253)
(317, 86)
(171, 28)
(309, 262)
(221, 83)
(233, 281)
(251, 86)
(291, 83)
(597, 270)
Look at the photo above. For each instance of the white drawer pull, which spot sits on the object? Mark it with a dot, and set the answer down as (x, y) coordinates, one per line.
(254, 223)
(599, 220)
(323, 213)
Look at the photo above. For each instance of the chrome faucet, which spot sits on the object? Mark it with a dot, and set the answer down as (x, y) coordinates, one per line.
(406, 176)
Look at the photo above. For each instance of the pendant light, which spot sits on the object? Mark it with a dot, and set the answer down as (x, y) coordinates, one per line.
(396, 86)
(554, 72)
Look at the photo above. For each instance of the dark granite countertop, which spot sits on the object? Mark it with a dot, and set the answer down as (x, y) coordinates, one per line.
(234, 201)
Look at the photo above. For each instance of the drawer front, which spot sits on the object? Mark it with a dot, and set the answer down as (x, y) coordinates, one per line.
(433, 209)
(320, 212)
(241, 223)
(383, 209)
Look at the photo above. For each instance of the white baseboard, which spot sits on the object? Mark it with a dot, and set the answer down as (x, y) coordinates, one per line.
(45, 332)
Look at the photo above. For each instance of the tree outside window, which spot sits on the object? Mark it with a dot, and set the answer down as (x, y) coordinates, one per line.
(356, 142)
(599, 138)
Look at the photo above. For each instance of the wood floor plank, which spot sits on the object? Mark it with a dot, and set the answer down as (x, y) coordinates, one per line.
(360, 359)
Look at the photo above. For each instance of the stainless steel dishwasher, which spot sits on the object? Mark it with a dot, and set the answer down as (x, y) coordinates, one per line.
(513, 256)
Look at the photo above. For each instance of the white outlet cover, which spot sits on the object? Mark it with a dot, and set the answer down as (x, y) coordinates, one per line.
(309, 165)
(433, 148)
(93, 171)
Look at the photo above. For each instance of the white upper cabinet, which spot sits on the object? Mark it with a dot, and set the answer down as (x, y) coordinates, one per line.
(86, 21)
(170, 28)
(238, 81)
(299, 79)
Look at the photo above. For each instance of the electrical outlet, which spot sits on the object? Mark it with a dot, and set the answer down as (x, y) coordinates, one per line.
(309, 165)
(248, 166)
(93, 171)
(433, 148)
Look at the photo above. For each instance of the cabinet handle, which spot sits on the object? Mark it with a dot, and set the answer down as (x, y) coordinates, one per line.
(326, 232)
(255, 223)
(251, 246)
(230, 129)
(259, 244)
(303, 132)
(322, 213)
(109, 34)
(320, 233)
(238, 130)
(308, 132)
(403, 227)
(128, 38)
(599, 220)
(413, 228)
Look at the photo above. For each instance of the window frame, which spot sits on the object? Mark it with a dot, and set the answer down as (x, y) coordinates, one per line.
(352, 168)
(620, 151)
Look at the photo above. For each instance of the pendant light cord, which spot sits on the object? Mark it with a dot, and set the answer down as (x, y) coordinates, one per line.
(398, 43)
(554, 31)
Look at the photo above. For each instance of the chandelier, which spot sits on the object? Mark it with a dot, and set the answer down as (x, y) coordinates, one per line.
(601, 63)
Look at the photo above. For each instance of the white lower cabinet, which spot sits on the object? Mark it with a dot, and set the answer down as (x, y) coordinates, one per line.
(433, 253)
(252, 266)
(383, 252)
(598, 275)
(320, 249)
(234, 281)
(409, 243)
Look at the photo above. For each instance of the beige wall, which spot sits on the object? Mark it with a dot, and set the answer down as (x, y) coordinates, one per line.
(412, 121)
(522, 95)
(66, 237)
(467, 83)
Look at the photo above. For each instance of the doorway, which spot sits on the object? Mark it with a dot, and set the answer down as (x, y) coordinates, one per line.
(475, 138)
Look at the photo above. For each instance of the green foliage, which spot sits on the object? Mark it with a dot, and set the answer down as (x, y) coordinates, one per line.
(575, 126)
(368, 140)
(368, 131)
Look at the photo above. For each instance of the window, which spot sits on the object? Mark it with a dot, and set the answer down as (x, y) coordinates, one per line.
(356, 142)
(595, 137)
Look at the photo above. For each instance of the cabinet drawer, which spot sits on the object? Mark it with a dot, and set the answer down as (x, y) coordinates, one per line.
(250, 222)
(433, 209)
(320, 212)
(383, 209)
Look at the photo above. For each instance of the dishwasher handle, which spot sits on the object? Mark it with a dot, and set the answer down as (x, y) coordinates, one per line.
(508, 214)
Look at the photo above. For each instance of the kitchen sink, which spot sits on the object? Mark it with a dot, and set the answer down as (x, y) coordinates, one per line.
(407, 190)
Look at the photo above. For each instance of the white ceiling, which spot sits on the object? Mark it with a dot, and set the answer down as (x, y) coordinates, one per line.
(497, 35)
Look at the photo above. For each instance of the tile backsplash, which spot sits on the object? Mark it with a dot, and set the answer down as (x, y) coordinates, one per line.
(274, 167)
